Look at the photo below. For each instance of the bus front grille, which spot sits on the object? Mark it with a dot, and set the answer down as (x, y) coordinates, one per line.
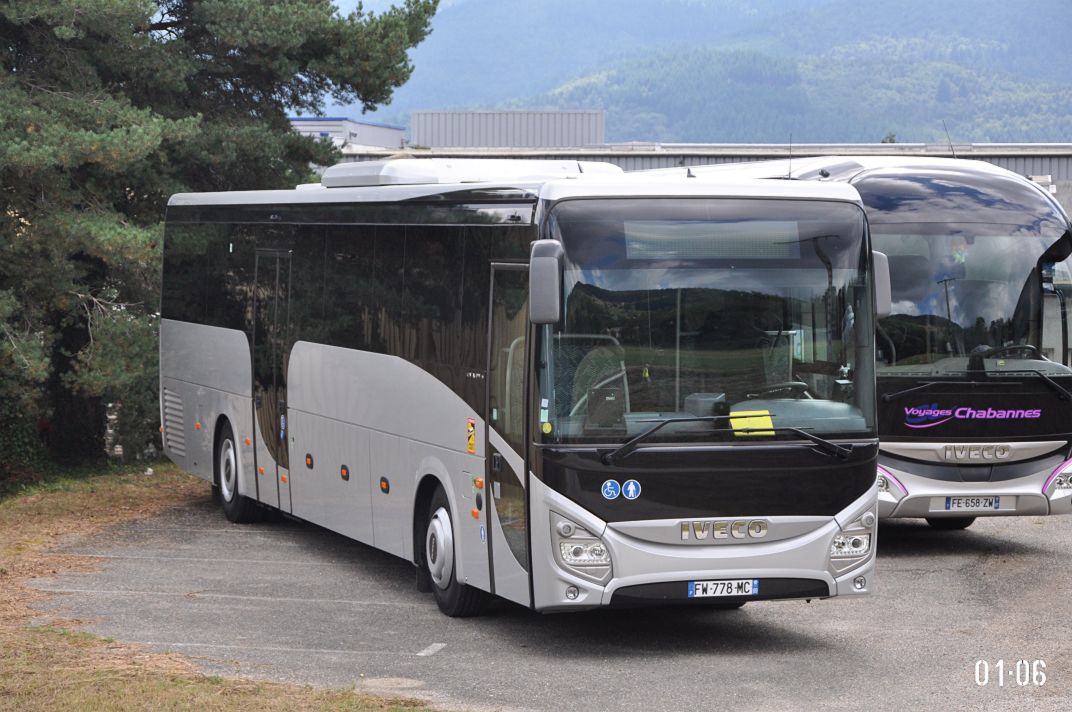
(174, 424)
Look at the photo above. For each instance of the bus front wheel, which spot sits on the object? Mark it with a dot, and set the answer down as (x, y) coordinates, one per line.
(454, 598)
(236, 507)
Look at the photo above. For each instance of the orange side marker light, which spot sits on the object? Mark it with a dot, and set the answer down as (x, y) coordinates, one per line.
(478, 483)
(476, 514)
(260, 470)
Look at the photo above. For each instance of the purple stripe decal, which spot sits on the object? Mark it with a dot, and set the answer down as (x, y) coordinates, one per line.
(928, 425)
(1053, 475)
(886, 473)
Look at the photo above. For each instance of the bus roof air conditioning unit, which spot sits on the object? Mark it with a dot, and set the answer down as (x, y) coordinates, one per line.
(423, 171)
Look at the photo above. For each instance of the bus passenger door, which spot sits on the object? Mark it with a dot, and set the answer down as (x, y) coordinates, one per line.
(271, 348)
(505, 415)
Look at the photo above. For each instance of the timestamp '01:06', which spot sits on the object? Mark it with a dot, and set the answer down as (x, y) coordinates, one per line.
(1022, 673)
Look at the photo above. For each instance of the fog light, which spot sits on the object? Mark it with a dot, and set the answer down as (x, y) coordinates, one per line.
(572, 592)
(860, 583)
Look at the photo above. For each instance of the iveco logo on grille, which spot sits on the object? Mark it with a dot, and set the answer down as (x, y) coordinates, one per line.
(976, 453)
(724, 529)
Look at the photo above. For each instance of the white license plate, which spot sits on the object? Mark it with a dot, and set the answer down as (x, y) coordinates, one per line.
(972, 504)
(730, 587)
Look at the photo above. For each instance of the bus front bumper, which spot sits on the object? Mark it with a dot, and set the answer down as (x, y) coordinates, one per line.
(645, 572)
(908, 495)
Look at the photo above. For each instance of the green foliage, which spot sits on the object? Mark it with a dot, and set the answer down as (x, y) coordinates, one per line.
(107, 107)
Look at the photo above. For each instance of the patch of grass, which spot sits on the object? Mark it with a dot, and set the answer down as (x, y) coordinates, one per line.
(75, 637)
(50, 477)
(55, 666)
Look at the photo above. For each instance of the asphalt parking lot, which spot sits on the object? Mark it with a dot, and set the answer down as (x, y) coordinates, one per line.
(289, 601)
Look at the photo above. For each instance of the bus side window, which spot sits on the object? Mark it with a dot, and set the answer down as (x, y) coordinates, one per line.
(349, 287)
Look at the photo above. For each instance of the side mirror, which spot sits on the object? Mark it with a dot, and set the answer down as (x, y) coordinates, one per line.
(545, 282)
(883, 291)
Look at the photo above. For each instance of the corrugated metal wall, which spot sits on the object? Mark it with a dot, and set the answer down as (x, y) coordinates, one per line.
(514, 129)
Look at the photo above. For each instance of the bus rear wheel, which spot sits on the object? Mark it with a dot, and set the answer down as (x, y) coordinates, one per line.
(950, 523)
(236, 507)
(454, 598)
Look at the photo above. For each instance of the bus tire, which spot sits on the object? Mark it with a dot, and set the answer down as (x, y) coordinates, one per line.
(236, 507)
(950, 523)
(454, 598)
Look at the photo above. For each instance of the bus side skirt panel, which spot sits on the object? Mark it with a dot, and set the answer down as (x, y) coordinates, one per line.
(205, 374)
(390, 420)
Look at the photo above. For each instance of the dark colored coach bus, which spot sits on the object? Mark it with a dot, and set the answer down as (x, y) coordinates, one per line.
(541, 380)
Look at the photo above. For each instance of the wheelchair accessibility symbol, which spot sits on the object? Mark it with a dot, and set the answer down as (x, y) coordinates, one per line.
(611, 489)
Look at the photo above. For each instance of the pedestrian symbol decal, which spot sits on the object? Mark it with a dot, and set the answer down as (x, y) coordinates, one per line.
(611, 489)
(631, 489)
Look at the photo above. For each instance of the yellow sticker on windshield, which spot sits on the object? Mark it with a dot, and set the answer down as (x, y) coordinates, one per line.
(751, 422)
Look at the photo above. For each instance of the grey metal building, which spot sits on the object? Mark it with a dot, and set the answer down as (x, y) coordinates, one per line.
(346, 132)
(1036, 160)
(506, 129)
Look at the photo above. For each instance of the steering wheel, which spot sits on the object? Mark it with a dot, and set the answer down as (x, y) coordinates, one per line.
(1033, 350)
(797, 389)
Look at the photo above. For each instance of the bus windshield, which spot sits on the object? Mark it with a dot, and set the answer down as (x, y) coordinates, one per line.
(966, 289)
(703, 307)
(978, 273)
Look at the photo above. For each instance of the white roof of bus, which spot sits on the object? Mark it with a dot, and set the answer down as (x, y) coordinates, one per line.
(785, 167)
(640, 184)
(405, 179)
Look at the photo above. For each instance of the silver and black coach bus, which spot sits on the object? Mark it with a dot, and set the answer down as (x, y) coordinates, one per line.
(538, 380)
(974, 384)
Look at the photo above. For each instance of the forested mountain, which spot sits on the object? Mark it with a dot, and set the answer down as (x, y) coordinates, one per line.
(759, 70)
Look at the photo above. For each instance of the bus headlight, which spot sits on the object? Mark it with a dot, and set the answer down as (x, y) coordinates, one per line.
(584, 553)
(579, 551)
(1059, 482)
(889, 487)
(845, 546)
(852, 546)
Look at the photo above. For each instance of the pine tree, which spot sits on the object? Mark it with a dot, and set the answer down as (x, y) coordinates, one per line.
(107, 107)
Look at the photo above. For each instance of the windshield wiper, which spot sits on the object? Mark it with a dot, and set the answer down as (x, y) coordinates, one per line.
(887, 397)
(828, 447)
(618, 453)
(1056, 387)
